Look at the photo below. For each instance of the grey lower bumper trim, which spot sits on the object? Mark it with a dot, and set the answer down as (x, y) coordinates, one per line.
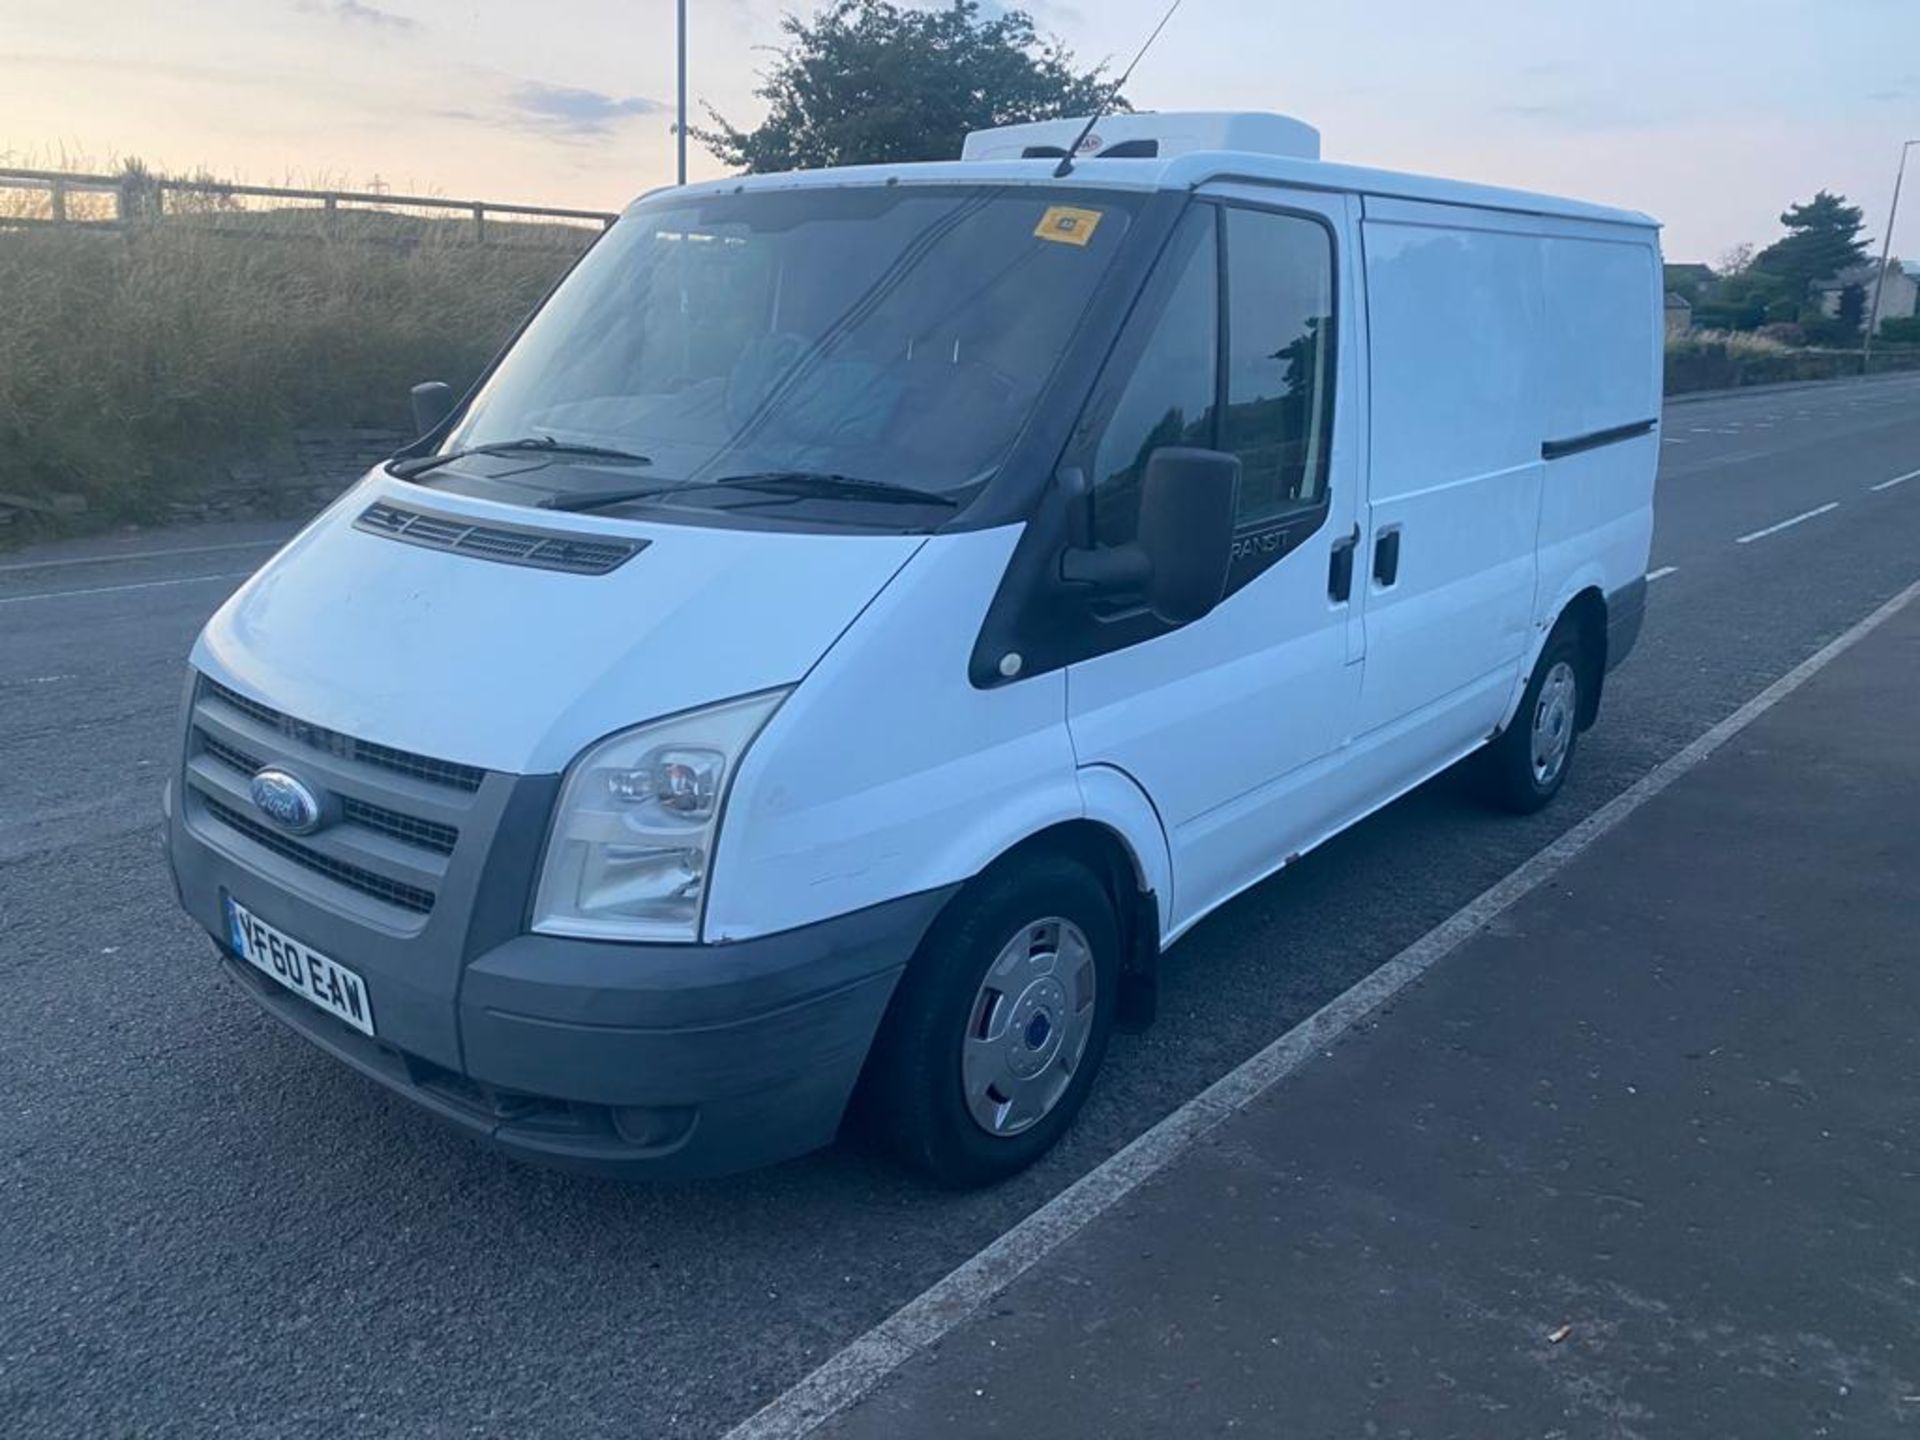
(1626, 612)
(649, 1061)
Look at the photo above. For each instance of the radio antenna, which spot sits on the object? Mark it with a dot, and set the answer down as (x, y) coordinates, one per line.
(1065, 167)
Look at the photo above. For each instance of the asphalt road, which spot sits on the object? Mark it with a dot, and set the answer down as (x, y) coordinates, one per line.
(210, 1228)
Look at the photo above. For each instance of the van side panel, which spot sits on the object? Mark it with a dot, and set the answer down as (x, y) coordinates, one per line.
(1601, 368)
(1455, 306)
(886, 773)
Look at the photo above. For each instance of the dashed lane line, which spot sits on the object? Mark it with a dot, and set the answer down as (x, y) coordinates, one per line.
(133, 555)
(1788, 524)
(118, 589)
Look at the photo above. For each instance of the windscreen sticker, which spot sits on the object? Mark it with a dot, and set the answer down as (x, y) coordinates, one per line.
(1067, 225)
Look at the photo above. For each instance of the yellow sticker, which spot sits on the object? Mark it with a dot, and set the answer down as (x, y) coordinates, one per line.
(1067, 224)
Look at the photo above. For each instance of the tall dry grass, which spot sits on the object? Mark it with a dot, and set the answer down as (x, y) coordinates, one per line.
(1737, 344)
(134, 365)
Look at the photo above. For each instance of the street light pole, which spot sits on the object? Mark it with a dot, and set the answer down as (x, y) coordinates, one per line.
(680, 107)
(1886, 249)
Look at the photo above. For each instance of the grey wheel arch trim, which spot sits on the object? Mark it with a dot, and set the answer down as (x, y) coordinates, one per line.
(1625, 610)
(1105, 850)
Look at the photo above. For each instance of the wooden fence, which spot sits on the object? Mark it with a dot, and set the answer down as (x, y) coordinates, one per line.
(76, 200)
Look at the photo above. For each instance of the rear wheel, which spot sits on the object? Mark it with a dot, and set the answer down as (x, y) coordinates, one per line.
(1525, 768)
(993, 1038)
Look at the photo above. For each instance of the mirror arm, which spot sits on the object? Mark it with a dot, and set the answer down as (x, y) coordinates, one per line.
(1072, 483)
(1107, 567)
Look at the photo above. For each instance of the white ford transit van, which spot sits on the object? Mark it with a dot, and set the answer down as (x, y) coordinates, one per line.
(867, 615)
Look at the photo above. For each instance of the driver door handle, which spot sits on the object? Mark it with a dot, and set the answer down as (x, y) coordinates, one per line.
(1340, 568)
(1386, 557)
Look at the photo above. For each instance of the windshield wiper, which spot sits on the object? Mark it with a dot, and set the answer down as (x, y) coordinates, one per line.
(820, 482)
(598, 499)
(776, 482)
(539, 444)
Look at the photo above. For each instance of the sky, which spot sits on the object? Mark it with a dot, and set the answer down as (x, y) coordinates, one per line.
(1712, 115)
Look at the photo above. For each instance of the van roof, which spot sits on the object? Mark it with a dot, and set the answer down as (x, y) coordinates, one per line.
(1186, 172)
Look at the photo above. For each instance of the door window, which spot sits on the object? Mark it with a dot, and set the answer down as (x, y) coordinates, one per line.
(1279, 406)
(1260, 386)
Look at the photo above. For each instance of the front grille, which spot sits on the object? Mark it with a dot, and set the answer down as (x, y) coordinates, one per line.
(231, 756)
(394, 892)
(346, 747)
(390, 820)
(507, 544)
(428, 834)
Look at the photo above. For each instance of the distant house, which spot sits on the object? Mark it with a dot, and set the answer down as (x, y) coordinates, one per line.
(1900, 302)
(1679, 314)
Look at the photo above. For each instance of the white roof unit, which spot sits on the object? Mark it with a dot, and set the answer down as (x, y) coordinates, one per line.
(1148, 134)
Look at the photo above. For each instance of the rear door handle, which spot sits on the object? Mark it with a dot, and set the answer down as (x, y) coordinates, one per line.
(1340, 568)
(1386, 557)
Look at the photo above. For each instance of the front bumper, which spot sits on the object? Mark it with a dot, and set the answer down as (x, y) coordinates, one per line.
(646, 1061)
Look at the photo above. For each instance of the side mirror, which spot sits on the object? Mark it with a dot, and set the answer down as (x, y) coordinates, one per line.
(432, 403)
(1182, 550)
(1188, 499)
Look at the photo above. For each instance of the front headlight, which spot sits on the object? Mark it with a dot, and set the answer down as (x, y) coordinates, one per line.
(634, 831)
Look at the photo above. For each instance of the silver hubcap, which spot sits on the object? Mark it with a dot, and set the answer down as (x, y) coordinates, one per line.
(1553, 718)
(1029, 1027)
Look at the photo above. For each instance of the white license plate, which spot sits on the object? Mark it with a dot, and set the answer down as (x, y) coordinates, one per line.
(327, 983)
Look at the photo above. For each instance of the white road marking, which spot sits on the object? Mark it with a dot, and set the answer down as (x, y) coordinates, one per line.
(116, 589)
(1787, 524)
(1896, 480)
(1661, 573)
(1700, 430)
(855, 1371)
(1672, 440)
(140, 555)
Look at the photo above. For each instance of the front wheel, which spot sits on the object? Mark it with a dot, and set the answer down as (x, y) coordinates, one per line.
(999, 1025)
(1527, 765)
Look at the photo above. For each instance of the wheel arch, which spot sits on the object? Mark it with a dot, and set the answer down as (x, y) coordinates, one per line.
(1587, 613)
(1126, 870)
(1584, 606)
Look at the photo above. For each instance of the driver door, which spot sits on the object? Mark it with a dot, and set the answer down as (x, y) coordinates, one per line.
(1246, 341)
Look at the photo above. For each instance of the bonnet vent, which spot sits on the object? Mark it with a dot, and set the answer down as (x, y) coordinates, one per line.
(509, 545)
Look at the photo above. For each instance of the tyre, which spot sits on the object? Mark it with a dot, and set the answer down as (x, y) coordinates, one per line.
(999, 1025)
(1526, 766)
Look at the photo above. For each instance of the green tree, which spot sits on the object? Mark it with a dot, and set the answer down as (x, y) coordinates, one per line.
(1853, 310)
(1901, 330)
(1741, 301)
(867, 82)
(1823, 238)
(1688, 281)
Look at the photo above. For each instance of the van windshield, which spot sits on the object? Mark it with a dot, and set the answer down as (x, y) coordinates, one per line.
(892, 334)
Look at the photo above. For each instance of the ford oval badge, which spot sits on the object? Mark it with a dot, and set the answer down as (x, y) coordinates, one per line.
(285, 800)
